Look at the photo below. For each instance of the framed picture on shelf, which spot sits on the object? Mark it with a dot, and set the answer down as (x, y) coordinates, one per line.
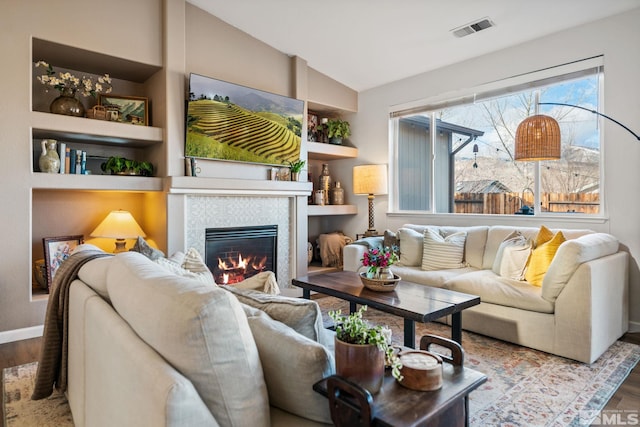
(56, 250)
(312, 126)
(126, 109)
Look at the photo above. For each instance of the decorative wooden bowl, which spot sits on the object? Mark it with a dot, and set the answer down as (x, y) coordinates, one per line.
(380, 285)
(421, 370)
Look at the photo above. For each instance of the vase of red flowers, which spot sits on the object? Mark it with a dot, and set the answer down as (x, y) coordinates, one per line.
(378, 261)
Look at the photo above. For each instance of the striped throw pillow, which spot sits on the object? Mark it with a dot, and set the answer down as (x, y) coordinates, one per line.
(440, 253)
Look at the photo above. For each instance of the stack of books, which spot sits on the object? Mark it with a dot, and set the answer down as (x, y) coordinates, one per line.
(72, 161)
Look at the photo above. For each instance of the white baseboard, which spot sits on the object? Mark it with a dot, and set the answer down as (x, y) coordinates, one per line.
(634, 326)
(21, 334)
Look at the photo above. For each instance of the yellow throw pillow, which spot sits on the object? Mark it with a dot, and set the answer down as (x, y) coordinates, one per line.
(541, 258)
(544, 235)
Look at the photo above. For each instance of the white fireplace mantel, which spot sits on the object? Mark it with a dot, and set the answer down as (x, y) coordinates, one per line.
(232, 186)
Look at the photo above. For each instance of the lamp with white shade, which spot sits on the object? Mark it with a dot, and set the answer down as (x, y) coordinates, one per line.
(372, 181)
(119, 225)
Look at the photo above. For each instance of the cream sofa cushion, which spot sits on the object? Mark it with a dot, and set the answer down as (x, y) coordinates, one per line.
(435, 278)
(199, 329)
(494, 289)
(94, 274)
(570, 255)
(474, 243)
(411, 243)
(291, 364)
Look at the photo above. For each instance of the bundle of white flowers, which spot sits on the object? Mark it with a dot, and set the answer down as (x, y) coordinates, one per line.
(67, 81)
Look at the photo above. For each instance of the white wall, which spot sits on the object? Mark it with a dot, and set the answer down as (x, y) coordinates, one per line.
(617, 39)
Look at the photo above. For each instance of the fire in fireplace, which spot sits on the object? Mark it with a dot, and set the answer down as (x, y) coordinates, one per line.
(234, 254)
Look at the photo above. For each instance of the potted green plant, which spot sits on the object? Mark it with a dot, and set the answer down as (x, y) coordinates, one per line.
(362, 349)
(117, 165)
(295, 168)
(337, 130)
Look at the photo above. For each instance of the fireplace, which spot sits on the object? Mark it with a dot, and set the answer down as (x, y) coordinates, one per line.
(234, 254)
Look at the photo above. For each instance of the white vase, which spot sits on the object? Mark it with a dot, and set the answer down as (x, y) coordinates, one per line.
(49, 161)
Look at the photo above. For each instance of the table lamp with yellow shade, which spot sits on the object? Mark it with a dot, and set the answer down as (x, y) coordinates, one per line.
(119, 225)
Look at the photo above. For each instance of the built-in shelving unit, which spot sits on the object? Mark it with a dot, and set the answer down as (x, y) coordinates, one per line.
(326, 153)
(60, 196)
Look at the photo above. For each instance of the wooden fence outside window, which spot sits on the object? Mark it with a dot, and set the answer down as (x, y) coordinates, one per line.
(512, 203)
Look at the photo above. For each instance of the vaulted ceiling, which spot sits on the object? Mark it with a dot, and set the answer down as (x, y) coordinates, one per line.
(368, 43)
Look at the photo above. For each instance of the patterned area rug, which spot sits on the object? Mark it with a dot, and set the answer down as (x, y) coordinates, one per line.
(20, 410)
(525, 387)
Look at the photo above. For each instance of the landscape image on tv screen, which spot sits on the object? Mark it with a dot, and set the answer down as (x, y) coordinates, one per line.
(227, 121)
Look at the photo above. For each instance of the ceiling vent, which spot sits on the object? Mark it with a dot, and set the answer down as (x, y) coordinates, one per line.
(474, 27)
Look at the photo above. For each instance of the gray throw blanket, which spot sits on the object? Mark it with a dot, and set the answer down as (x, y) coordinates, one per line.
(52, 368)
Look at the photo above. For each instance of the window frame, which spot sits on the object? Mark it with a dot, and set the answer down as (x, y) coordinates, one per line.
(527, 81)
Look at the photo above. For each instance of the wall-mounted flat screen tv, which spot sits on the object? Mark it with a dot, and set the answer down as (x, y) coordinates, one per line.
(226, 121)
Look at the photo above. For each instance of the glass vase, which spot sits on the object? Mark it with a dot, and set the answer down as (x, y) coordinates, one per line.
(67, 104)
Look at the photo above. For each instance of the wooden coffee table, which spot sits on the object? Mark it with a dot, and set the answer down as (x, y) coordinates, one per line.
(409, 300)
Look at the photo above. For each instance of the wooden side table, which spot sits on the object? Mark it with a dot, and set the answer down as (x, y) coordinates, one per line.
(395, 405)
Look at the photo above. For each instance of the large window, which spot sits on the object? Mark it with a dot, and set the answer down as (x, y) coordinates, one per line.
(464, 163)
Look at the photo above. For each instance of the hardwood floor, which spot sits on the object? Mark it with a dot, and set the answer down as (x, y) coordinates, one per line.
(627, 397)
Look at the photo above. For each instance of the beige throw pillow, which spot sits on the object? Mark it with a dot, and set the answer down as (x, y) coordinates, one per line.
(441, 253)
(291, 364)
(302, 315)
(512, 256)
(188, 265)
(411, 243)
(145, 249)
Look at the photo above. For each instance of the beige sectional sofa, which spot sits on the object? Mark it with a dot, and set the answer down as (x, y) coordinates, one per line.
(578, 312)
(148, 347)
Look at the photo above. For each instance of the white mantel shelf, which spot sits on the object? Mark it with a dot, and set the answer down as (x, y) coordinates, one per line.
(202, 185)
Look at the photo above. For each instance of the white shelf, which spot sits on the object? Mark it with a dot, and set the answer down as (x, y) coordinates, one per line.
(318, 210)
(53, 181)
(322, 151)
(79, 129)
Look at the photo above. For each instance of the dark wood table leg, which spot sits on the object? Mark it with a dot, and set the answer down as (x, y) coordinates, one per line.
(306, 294)
(456, 327)
(353, 307)
(409, 333)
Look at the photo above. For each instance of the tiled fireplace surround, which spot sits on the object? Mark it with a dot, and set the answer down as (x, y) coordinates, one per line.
(216, 203)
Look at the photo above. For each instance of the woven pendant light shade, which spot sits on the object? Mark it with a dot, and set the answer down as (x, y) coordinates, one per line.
(538, 138)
